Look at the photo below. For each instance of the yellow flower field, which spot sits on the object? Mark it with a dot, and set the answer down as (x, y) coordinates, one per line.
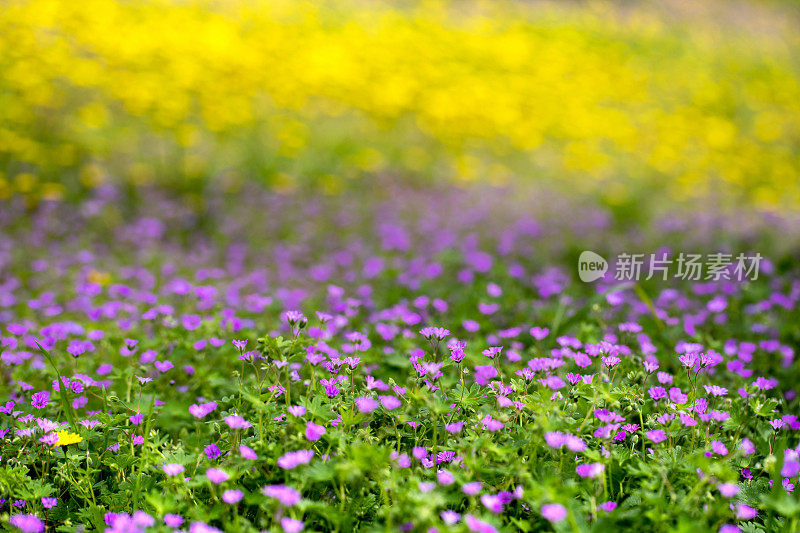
(618, 100)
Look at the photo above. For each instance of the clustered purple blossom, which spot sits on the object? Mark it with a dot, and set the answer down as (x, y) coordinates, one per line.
(338, 357)
(292, 460)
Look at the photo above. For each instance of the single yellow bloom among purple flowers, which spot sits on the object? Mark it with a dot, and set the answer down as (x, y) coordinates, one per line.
(66, 438)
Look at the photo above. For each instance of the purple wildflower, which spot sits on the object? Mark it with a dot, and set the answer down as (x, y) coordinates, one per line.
(478, 526)
(444, 477)
(454, 427)
(239, 344)
(718, 448)
(745, 512)
(296, 410)
(539, 333)
(247, 453)
(657, 393)
(291, 460)
(747, 446)
(574, 443)
(715, 390)
(554, 512)
(314, 431)
(215, 475)
(173, 520)
(237, 422)
(49, 503)
(555, 439)
(172, 469)
(286, 495)
(50, 439)
(728, 490)
(490, 424)
(213, 451)
(365, 404)
(290, 525)
(471, 488)
(232, 496)
(431, 332)
(202, 410)
(27, 523)
(492, 502)
(590, 469)
(390, 402)
(607, 506)
(492, 351)
(39, 400)
(201, 527)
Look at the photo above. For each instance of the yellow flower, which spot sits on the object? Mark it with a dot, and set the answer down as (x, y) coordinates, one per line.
(617, 105)
(101, 278)
(65, 438)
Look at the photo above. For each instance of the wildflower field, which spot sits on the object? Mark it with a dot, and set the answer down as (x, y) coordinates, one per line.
(399, 266)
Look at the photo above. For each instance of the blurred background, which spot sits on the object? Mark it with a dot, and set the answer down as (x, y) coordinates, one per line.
(636, 104)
